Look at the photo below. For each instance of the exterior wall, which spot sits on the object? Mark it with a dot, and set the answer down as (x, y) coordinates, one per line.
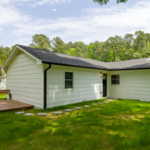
(25, 80)
(140, 85)
(87, 86)
(3, 84)
(121, 90)
(134, 84)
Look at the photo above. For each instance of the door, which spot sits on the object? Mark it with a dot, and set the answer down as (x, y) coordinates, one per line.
(104, 85)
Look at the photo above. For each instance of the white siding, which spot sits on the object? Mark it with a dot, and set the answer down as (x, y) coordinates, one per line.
(134, 84)
(25, 80)
(3, 84)
(140, 85)
(87, 86)
(121, 90)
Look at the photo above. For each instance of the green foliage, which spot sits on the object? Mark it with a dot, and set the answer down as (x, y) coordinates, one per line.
(41, 41)
(4, 53)
(80, 49)
(117, 48)
(72, 51)
(101, 2)
(91, 51)
(58, 45)
(111, 56)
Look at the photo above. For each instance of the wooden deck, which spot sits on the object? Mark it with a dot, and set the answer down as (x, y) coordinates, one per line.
(11, 105)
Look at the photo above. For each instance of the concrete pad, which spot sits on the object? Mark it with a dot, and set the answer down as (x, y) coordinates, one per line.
(29, 114)
(86, 106)
(19, 113)
(78, 107)
(42, 114)
(57, 112)
(94, 104)
(68, 110)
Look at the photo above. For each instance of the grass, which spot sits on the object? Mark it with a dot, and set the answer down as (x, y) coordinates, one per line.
(121, 124)
(2, 96)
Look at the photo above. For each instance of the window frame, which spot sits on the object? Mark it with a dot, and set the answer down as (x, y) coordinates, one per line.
(115, 79)
(65, 80)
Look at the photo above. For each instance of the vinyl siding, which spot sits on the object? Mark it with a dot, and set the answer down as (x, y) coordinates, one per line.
(134, 84)
(140, 85)
(3, 84)
(25, 80)
(121, 90)
(87, 85)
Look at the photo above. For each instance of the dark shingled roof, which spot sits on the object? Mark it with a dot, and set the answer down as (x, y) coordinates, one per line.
(62, 59)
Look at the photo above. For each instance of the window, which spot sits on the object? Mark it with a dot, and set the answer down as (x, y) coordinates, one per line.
(115, 79)
(68, 80)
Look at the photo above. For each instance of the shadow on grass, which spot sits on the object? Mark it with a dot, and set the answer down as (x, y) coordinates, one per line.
(15, 127)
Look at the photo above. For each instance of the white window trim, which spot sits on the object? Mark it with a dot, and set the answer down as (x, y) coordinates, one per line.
(72, 80)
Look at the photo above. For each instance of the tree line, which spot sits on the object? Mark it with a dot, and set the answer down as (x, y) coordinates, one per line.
(131, 46)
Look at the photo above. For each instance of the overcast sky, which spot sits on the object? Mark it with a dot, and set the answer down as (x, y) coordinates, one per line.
(72, 20)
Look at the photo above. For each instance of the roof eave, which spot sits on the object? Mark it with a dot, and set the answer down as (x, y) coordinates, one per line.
(129, 69)
(61, 64)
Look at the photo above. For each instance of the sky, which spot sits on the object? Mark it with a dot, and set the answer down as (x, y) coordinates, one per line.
(71, 20)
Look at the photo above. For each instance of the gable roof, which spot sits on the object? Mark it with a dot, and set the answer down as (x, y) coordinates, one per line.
(46, 56)
(63, 59)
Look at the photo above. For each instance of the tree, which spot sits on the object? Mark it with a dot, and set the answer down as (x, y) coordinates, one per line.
(147, 39)
(58, 45)
(98, 49)
(128, 47)
(116, 44)
(68, 46)
(72, 51)
(140, 40)
(91, 51)
(4, 53)
(111, 56)
(7, 50)
(129, 39)
(41, 41)
(101, 2)
(1, 54)
(137, 55)
(81, 49)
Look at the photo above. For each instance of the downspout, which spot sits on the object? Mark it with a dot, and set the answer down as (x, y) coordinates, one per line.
(45, 86)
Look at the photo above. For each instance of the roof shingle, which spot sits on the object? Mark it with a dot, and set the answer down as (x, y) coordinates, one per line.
(57, 58)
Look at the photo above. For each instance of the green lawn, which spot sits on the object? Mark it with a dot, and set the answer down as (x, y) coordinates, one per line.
(2, 96)
(117, 125)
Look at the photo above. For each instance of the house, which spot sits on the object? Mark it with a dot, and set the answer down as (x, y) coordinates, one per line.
(47, 79)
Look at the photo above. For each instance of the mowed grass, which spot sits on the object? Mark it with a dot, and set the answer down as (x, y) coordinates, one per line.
(2, 96)
(117, 125)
